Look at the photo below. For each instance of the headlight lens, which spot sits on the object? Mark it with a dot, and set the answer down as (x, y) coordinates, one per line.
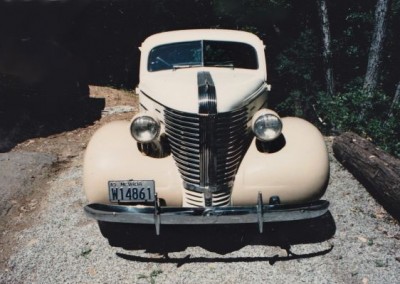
(145, 128)
(267, 127)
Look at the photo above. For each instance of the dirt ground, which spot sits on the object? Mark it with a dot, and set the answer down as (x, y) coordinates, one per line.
(46, 238)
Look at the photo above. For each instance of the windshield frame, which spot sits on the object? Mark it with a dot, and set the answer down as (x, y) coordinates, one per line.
(242, 55)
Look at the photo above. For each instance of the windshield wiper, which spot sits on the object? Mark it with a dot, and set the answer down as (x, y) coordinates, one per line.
(228, 64)
(181, 66)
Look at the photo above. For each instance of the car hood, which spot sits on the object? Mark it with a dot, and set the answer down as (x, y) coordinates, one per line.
(178, 89)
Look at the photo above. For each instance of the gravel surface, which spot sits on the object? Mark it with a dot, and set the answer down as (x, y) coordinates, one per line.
(64, 246)
(18, 172)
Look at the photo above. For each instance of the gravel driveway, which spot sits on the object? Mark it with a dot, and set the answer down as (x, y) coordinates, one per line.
(64, 246)
(357, 243)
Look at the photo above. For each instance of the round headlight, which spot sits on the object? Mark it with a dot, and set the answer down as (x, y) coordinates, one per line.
(267, 127)
(145, 128)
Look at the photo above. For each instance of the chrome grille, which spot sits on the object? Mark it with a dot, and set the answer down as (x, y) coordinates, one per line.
(230, 138)
(184, 138)
(231, 142)
(196, 199)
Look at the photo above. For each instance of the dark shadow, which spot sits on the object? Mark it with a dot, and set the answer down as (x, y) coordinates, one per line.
(43, 80)
(23, 119)
(188, 259)
(271, 146)
(221, 239)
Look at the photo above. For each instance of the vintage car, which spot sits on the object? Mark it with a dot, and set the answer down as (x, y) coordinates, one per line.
(204, 147)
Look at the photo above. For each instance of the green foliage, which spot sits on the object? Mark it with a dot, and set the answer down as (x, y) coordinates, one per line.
(300, 73)
(351, 28)
(368, 116)
(152, 277)
(297, 68)
(85, 252)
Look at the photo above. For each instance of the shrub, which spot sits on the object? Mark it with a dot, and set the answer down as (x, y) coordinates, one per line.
(368, 116)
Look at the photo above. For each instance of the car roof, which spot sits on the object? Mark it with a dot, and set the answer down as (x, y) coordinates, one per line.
(200, 34)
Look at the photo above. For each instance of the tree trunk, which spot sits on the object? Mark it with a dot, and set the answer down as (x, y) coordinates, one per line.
(396, 99)
(327, 53)
(375, 52)
(376, 170)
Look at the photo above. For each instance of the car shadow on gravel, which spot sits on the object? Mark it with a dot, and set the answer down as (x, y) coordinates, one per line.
(221, 239)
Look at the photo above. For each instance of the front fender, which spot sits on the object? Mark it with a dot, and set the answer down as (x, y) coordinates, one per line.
(112, 154)
(297, 173)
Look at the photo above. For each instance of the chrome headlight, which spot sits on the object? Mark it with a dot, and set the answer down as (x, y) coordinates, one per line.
(266, 125)
(145, 128)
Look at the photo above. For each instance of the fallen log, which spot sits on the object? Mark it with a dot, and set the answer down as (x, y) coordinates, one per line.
(376, 170)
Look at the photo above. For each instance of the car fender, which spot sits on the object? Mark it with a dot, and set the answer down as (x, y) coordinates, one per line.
(296, 173)
(112, 154)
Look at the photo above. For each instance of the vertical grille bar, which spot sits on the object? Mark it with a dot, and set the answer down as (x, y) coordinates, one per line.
(207, 94)
(207, 112)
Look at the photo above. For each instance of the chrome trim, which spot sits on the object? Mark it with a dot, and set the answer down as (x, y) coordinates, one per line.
(207, 148)
(207, 94)
(262, 88)
(194, 198)
(216, 147)
(182, 131)
(258, 214)
(157, 217)
(207, 113)
(195, 187)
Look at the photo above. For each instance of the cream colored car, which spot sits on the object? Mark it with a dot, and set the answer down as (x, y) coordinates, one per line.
(205, 148)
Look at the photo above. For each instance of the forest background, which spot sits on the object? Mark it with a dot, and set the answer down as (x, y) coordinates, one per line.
(335, 63)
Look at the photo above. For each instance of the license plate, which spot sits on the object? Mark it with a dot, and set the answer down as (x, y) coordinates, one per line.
(131, 190)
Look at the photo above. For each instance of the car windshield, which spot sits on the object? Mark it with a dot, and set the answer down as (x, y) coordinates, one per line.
(202, 53)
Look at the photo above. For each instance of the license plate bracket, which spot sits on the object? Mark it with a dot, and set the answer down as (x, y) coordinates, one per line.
(128, 191)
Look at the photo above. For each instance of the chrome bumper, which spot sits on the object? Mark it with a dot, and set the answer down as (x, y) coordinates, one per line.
(157, 215)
